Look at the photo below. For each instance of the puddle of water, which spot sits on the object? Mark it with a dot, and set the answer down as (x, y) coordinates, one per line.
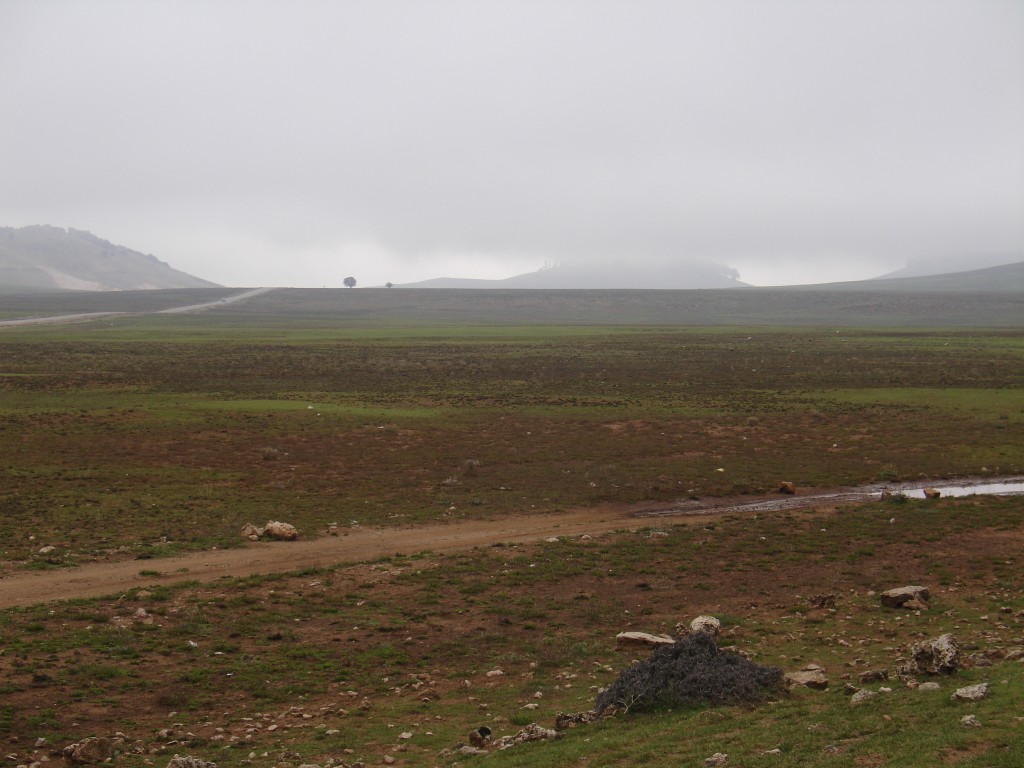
(1005, 486)
(999, 489)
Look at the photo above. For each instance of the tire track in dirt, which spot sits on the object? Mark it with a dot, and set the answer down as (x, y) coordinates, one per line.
(83, 317)
(363, 544)
(353, 546)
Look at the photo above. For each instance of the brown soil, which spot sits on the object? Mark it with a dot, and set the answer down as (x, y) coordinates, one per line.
(360, 544)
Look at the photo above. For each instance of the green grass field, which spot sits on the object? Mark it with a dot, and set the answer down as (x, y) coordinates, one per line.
(141, 437)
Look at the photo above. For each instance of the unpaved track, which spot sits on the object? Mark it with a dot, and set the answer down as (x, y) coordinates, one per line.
(353, 545)
(83, 317)
(362, 544)
(359, 544)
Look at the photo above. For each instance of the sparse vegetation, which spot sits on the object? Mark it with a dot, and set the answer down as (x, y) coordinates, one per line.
(145, 438)
(689, 672)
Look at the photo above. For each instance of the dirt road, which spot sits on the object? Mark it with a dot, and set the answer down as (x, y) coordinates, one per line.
(352, 545)
(82, 317)
(359, 544)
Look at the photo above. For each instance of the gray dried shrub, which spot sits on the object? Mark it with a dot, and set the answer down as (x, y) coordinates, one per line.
(689, 672)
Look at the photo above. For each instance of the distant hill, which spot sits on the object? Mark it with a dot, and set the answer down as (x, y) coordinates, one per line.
(945, 264)
(44, 258)
(1008, 278)
(604, 276)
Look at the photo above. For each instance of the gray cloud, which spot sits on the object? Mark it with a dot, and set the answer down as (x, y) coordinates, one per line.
(296, 142)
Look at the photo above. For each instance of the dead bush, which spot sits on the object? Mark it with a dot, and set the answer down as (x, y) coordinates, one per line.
(688, 672)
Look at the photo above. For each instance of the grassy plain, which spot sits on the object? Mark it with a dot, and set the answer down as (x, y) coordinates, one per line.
(139, 437)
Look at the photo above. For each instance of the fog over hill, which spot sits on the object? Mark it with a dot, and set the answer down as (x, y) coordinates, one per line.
(1006, 278)
(45, 258)
(625, 274)
(959, 262)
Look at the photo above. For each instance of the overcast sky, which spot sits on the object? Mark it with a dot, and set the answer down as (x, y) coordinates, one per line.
(295, 142)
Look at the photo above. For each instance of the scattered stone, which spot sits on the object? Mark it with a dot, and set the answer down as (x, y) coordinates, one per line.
(787, 487)
(463, 749)
(641, 640)
(185, 761)
(849, 689)
(280, 531)
(480, 737)
(861, 696)
(775, 751)
(719, 758)
(888, 495)
(940, 655)
(532, 732)
(495, 673)
(708, 624)
(94, 749)
(873, 676)
(970, 721)
(971, 693)
(811, 676)
(897, 598)
(931, 685)
(822, 601)
(251, 532)
(47, 549)
(932, 493)
(565, 720)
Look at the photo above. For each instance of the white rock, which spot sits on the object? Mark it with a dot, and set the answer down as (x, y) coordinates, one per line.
(641, 639)
(708, 624)
(896, 598)
(971, 693)
(861, 696)
(280, 531)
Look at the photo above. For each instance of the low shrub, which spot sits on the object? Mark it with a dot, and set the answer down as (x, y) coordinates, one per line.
(691, 671)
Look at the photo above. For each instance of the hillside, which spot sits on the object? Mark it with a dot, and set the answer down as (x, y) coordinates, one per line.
(1008, 278)
(604, 276)
(943, 264)
(45, 258)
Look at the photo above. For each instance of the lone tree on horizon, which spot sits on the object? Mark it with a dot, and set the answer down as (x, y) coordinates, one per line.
(350, 282)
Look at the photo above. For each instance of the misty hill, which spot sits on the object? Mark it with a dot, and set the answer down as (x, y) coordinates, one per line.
(1008, 278)
(604, 276)
(939, 265)
(44, 258)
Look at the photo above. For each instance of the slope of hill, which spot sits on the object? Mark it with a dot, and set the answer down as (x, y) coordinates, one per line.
(940, 265)
(44, 258)
(1008, 278)
(604, 276)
